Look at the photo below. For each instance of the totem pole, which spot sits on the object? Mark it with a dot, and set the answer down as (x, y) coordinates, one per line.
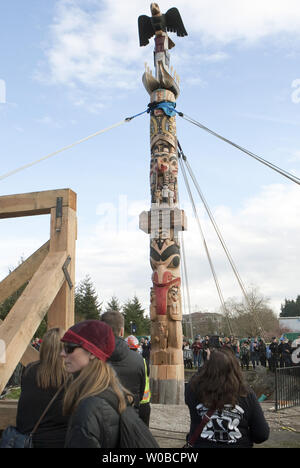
(164, 221)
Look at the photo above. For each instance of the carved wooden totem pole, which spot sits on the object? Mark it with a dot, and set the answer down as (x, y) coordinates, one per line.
(165, 219)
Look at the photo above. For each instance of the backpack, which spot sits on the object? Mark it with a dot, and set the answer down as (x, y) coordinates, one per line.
(133, 431)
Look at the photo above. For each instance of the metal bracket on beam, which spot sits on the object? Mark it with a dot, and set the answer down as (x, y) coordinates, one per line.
(65, 270)
(59, 213)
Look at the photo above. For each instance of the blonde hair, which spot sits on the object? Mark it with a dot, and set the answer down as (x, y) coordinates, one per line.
(93, 379)
(51, 370)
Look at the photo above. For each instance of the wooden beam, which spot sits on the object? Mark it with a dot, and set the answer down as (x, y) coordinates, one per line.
(35, 203)
(29, 310)
(63, 238)
(8, 412)
(22, 273)
(31, 354)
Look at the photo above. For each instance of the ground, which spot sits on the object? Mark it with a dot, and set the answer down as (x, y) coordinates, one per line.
(170, 423)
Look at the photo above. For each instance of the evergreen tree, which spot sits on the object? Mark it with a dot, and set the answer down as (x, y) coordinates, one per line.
(87, 305)
(134, 314)
(290, 308)
(113, 304)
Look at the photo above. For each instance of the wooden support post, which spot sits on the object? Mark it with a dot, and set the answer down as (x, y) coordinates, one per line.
(29, 310)
(8, 411)
(51, 271)
(35, 203)
(63, 237)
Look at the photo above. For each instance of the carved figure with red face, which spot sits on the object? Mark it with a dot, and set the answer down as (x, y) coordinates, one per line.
(173, 167)
(165, 262)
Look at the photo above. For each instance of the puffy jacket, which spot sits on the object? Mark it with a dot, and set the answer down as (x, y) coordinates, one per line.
(129, 367)
(94, 424)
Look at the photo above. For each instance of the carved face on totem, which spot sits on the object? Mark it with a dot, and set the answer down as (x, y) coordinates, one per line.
(162, 163)
(173, 293)
(173, 165)
(165, 263)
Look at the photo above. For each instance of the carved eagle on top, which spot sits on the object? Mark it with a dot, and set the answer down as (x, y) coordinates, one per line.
(149, 26)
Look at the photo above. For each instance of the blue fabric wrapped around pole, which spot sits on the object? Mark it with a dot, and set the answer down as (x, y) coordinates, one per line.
(167, 107)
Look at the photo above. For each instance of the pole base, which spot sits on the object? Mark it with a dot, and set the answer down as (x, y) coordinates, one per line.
(167, 384)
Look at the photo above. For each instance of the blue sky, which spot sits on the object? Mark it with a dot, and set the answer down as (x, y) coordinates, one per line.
(73, 67)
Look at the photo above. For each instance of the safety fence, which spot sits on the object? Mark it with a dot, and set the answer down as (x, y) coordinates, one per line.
(287, 387)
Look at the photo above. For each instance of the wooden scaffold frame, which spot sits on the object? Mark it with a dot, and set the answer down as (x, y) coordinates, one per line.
(50, 273)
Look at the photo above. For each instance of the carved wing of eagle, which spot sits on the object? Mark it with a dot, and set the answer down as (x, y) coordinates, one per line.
(146, 30)
(174, 22)
(171, 22)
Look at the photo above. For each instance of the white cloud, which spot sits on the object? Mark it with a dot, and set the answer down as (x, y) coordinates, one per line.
(233, 20)
(94, 45)
(262, 237)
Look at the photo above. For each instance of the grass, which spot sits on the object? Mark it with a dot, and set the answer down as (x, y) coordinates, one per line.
(13, 394)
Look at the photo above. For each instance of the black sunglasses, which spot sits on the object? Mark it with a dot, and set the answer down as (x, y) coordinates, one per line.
(69, 347)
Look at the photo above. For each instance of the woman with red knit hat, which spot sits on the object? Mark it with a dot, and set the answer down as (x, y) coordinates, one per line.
(94, 423)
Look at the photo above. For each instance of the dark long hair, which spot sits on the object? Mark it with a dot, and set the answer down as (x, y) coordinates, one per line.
(220, 381)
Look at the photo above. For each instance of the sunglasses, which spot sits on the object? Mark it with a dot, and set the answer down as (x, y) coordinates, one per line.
(69, 347)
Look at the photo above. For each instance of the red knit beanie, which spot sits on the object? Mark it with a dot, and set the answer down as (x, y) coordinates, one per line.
(94, 336)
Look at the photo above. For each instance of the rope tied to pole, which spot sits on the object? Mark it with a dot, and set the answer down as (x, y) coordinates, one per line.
(280, 171)
(182, 157)
(72, 145)
(221, 297)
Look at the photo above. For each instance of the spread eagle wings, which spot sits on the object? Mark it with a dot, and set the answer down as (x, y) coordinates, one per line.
(171, 21)
(174, 22)
(146, 30)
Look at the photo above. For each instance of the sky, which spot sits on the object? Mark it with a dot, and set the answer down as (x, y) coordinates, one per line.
(70, 68)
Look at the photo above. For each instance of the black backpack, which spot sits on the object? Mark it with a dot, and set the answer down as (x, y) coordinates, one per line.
(133, 431)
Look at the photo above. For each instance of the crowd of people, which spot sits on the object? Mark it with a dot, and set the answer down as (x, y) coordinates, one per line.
(87, 376)
(36, 343)
(84, 380)
(254, 351)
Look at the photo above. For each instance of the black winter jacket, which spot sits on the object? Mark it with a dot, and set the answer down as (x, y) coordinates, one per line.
(94, 424)
(130, 368)
(33, 400)
(237, 427)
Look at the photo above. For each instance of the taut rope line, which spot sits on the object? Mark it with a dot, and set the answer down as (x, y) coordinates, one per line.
(37, 161)
(283, 172)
